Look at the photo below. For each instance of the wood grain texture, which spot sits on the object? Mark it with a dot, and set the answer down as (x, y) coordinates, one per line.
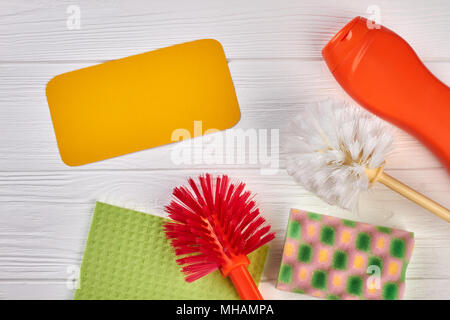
(273, 49)
(269, 93)
(36, 30)
(27, 289)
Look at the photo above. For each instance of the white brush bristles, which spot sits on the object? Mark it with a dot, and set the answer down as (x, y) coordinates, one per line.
(329, 145)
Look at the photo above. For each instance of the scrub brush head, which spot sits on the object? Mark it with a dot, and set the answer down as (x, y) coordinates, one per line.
(216, 224)
(329, 146)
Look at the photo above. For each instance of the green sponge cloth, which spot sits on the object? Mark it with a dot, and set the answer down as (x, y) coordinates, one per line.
(128, 257)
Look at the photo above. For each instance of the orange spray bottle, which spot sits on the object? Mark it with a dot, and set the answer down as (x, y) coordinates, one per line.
(381, 72)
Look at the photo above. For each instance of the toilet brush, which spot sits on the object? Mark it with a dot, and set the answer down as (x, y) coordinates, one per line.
(337, 150)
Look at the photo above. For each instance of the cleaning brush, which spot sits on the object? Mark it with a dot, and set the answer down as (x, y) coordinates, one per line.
(337, 150)
(216, 225)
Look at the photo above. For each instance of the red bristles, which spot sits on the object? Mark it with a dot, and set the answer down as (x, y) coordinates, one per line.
(215, 221)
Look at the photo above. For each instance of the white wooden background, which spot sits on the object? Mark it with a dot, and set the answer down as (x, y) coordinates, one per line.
(273, 48)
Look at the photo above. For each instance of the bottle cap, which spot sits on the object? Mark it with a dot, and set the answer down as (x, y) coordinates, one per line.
(344, 41)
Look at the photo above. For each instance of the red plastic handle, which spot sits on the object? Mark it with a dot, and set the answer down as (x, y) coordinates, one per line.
(244, 284)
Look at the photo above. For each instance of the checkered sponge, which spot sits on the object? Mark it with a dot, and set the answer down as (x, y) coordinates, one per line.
(128, 257)
(334, 258)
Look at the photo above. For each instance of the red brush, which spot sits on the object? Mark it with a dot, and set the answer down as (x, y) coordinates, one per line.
(216, 226)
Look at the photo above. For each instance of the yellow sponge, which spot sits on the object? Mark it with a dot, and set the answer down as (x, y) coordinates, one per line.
(137, 102)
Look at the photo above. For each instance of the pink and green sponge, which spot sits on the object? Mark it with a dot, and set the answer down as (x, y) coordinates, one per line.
(334, 258)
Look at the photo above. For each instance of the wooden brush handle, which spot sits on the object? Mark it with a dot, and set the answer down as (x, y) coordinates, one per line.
(244, 284)
(413, 195)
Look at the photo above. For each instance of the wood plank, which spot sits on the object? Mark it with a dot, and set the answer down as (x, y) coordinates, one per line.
(35, 290)
(37, 30)
(48, 214)
(422, 289)
(269, 92)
